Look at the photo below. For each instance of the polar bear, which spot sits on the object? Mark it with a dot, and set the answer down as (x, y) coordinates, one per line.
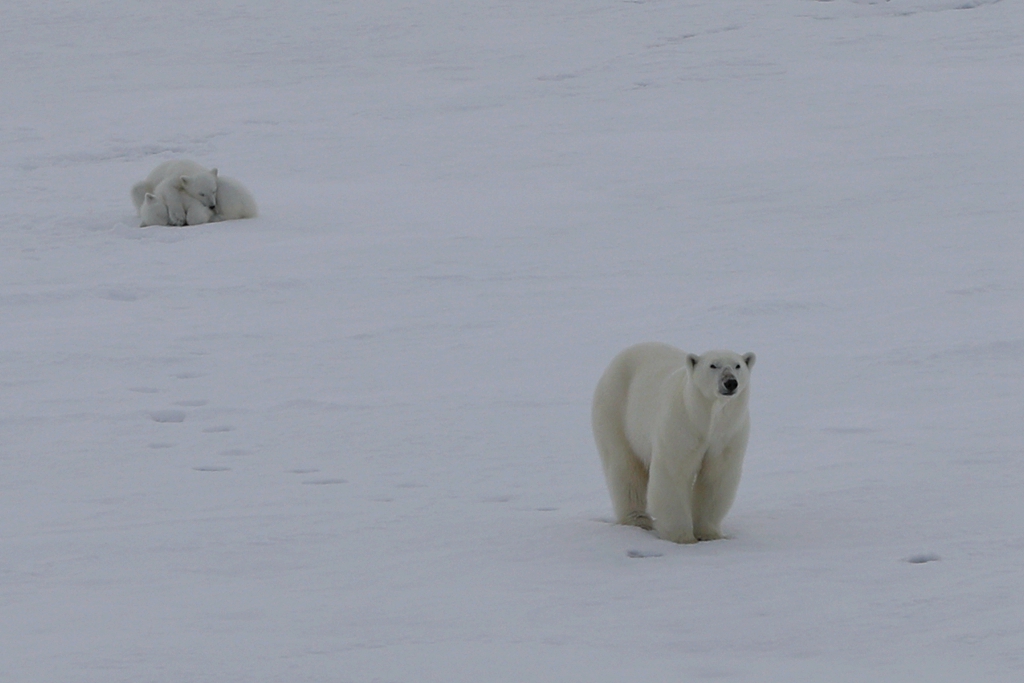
(190, 179)
(233, 201)
(182, 207)
(672, 429)
(153, 211)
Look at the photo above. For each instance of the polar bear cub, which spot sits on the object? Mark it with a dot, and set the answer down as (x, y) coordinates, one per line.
(182, 207)
(153, 211)
(184, 186)
(233, 201)
(672, 429)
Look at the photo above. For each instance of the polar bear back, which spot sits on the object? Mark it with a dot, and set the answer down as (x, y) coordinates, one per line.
(173, 169)
(634, 389)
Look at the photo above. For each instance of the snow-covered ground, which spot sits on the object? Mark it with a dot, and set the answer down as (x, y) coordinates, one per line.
(349, 440)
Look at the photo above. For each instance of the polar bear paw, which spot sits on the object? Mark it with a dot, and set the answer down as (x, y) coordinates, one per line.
(676, 536)
(708, 534)
(640, 519)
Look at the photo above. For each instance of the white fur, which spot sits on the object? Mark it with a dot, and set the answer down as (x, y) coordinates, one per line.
(182, 207)
(233, 201)
(189, 178)
(153, 211)
(671, 440)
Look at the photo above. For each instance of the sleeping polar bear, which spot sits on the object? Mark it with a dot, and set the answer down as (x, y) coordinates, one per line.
(672, 429)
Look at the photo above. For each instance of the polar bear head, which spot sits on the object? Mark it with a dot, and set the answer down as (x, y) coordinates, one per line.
(153, 211)
(720, 374)
(202, 186)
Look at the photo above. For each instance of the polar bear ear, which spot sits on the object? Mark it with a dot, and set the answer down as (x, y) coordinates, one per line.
(183, 181)
(150, 197)
(749, 359)
(691, 361)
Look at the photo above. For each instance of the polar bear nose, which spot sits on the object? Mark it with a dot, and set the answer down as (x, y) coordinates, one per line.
(730, 385)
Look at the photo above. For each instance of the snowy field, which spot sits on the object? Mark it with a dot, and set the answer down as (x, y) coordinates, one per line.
(349, 441)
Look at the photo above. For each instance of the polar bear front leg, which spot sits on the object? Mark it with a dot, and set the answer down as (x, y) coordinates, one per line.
(714, 491)
(669, 496)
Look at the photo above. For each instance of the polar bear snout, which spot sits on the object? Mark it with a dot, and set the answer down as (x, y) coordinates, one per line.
(728, 385)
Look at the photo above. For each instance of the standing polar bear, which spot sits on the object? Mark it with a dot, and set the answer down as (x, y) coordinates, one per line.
(672, 429)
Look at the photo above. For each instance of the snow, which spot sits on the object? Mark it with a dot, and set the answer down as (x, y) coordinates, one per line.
(349, 440)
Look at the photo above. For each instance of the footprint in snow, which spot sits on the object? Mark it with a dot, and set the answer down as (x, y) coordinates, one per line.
(921, 558)
(642, 553)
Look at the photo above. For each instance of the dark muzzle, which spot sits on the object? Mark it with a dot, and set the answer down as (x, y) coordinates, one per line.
(729, 386)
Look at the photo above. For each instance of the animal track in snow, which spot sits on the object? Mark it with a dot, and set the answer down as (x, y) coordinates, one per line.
(922, 558)
(496, 499)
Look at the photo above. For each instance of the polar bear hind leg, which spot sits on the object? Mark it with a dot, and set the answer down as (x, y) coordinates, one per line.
(627, 483)
(625, 473)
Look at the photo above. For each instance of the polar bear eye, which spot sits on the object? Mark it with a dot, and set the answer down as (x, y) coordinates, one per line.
(737, 366)
(714, 366)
